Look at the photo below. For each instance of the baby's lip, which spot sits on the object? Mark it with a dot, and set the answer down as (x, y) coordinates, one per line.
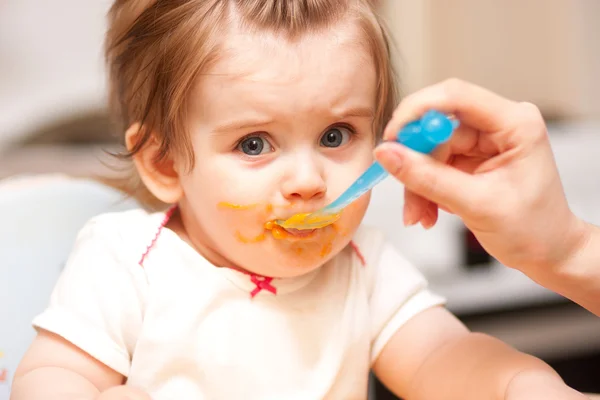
(280, 232)
(299, 233)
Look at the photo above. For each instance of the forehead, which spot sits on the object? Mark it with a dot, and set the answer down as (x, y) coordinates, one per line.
(318, 72)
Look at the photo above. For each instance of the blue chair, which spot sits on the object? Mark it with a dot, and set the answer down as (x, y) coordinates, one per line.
(41, 218)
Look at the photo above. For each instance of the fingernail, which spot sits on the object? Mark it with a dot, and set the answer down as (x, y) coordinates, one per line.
(426, 223)
(391, 160)
(409, 220)
(409, 216)
(428, 220)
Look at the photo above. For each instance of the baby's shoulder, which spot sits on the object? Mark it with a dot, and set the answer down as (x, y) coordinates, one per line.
(368, 241)
(374, 250)
(124, 233)
(124, 224)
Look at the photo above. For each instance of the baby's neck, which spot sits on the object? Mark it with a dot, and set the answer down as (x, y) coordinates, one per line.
(202, 246)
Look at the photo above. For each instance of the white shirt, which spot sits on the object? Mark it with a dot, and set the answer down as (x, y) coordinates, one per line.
(181, 328)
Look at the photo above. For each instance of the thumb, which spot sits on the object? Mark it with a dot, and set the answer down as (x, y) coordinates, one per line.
(427, 177)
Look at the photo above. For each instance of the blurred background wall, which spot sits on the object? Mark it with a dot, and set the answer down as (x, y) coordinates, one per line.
(543, 51)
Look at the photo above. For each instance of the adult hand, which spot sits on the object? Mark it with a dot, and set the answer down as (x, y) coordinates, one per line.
(497, 173)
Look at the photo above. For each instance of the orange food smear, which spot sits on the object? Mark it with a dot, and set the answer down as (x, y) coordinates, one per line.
(280, 233)
(277, 231)
(269, 225)
(326, 249)
(339, 230)
(315, 221)
(224, 204)
(255, 239)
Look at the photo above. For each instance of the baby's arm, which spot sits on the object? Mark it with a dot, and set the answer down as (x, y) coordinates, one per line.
(87, 334)
(54, 368)
(434, 356)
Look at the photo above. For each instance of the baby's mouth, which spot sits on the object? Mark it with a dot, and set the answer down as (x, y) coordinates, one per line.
(280, 232)
(299, 233)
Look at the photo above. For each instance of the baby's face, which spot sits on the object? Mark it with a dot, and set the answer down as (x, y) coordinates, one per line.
(278, 129)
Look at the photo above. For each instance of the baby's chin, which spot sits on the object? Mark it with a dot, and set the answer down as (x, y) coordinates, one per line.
(281, 253)
(288, 269)
(294, 261)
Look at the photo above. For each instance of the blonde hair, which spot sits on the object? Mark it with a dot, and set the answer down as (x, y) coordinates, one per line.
(155, 50)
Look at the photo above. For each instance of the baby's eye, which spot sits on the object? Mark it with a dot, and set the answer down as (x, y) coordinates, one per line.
(254, 146)
(335, 137)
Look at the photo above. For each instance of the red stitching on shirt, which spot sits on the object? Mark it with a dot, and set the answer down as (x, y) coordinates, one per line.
(262, 283)
(358, 253)
(166, 219)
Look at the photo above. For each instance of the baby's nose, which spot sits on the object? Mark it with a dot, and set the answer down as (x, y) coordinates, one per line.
(304, 182)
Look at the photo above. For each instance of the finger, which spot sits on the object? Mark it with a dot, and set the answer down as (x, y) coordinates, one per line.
(470, 104)
(429, 178)
(468, 164)
(419, 209)
(464, 140)
(414, 207)
(430, 216)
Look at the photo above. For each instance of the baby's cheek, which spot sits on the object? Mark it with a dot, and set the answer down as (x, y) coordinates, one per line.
(243, 218)
(228, 224)
(353, 215)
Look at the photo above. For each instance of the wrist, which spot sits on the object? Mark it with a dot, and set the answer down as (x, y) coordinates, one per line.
(573, 270)
(564, 256)
(579, 259)
(578, 235)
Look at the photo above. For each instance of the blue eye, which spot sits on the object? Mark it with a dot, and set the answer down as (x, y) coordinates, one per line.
(254, 146)
(335, 137)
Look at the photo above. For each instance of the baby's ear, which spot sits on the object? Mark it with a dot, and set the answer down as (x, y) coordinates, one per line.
(159, 176)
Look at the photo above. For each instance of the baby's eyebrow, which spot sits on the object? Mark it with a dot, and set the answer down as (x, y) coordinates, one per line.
(241, 124)
(359, 112)
(254, 123)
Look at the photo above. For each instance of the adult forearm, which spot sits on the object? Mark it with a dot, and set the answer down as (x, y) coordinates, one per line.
(577, 277)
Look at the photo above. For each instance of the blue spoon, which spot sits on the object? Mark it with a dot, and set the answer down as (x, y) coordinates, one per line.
(422, 135)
